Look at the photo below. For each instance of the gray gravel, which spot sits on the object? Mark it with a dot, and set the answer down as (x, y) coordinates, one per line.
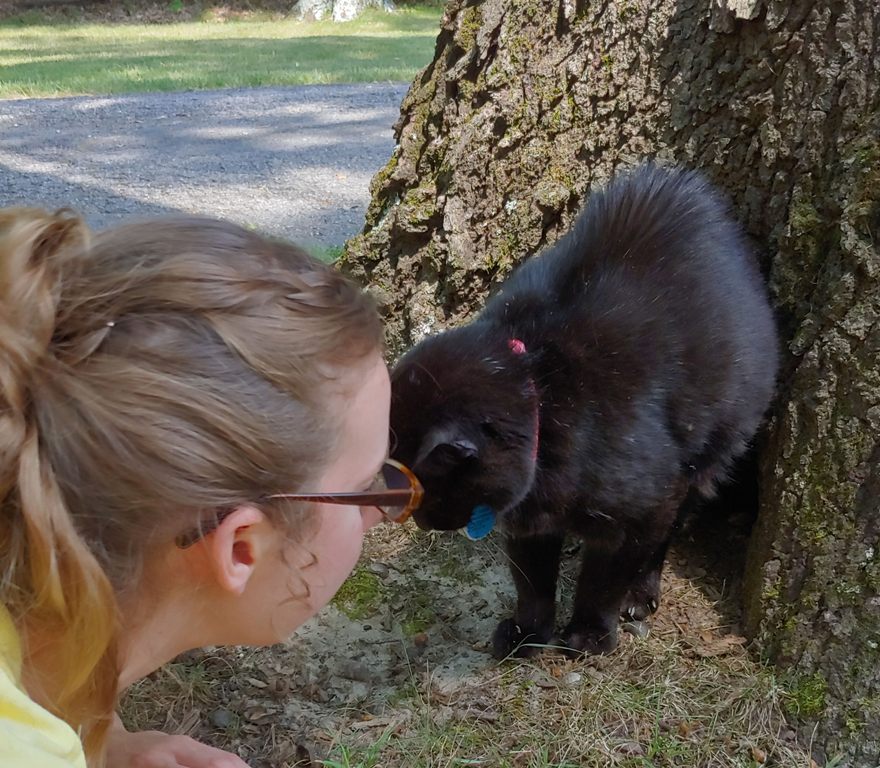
(295, 162)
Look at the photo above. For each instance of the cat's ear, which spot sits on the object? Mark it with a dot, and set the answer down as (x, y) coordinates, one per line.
(447, 446)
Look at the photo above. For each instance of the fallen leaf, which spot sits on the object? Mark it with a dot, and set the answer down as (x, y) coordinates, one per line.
(720, 646)
(392, 722)
(486, 715)
(631, 748)
(373, 722)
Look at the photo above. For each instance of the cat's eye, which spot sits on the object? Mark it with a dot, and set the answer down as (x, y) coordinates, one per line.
(490, 429)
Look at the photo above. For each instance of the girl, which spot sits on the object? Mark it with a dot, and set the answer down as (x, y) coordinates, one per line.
(193, 430)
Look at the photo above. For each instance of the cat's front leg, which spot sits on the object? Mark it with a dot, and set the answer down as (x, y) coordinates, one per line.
(643, 596)
(617, 559)
(606, 573)
(534, 565)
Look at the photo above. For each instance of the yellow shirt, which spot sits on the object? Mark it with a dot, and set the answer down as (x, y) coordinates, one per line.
(30, 737)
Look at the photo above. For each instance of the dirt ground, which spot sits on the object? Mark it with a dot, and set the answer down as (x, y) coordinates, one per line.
(397, 672)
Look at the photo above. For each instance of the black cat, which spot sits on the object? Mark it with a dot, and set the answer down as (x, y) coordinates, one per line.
(610, 377)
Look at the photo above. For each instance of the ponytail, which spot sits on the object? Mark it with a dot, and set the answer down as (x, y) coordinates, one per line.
(49, 579)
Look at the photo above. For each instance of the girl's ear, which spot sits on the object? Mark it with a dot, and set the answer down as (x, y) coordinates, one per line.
(235, 546)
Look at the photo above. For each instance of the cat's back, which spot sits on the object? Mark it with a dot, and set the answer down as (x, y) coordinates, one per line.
(656, 245)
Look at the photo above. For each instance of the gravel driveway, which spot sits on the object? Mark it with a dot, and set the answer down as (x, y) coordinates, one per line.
(292, 161)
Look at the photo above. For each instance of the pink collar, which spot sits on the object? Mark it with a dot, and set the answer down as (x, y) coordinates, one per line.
(519, 348)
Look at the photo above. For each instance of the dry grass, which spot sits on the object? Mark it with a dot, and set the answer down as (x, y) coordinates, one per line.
(408, 681)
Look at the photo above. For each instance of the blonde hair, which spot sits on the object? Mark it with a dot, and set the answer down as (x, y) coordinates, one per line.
(149, 374)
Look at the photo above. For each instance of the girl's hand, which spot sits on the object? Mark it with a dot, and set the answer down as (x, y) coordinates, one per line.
(153, 749)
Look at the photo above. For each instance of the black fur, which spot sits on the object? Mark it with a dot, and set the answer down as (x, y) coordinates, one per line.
(651, 356)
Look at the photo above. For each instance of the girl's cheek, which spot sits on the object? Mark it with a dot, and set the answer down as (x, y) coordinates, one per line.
(371, 516)
(337, 549)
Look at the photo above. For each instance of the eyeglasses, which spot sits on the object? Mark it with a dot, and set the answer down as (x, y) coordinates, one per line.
(396, 492)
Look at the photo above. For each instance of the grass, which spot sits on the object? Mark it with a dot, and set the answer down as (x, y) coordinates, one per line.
(646, 709)
(359, 596)
(40, 59)
(326, 253)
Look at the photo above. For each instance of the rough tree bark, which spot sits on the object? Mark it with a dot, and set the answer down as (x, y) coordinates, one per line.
(529, 102)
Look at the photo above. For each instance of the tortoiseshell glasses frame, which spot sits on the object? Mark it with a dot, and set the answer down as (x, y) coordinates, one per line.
(396, 493)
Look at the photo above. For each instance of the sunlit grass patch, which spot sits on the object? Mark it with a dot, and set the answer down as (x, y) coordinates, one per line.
(38, 59)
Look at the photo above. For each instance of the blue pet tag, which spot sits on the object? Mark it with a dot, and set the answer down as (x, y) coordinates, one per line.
(481, 523)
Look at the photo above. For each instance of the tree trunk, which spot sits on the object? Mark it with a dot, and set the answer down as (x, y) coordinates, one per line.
(337, 10)
(529, 102)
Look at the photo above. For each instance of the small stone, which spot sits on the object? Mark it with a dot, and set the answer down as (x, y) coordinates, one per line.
(359, 691)
(222, 718)
(355, 670)
(572, 679)
(380, 569)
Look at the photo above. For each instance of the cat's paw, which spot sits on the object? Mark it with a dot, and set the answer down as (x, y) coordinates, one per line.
(585, 641)
(642, 600)
(510, 639)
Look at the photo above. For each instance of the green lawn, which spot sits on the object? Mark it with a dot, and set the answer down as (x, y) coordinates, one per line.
(67, 59)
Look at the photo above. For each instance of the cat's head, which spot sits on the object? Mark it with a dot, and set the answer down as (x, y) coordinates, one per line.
(463, 413)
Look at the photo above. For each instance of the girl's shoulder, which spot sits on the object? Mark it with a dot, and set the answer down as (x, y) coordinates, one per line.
(30, 735)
